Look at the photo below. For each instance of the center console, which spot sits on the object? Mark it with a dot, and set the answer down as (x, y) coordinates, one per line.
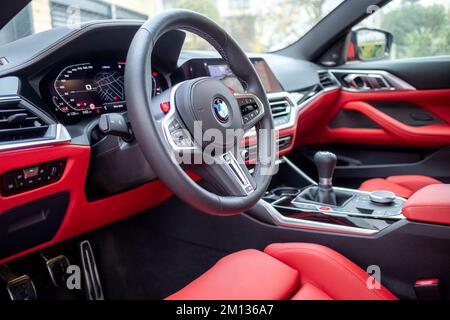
(321, 206)
(323, 197)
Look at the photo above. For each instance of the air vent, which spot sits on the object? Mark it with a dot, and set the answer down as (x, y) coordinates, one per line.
(280, 107)
(18, 123)
(326, 79)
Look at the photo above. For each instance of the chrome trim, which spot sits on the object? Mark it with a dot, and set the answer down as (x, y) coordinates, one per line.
(394, 81)
(386, 198)
(350, 79)
(167, 120)
(94, 289)
(338, 213)
(62, 136)
(237, 172)
(326, 181)
(284, 221)
(13, 97)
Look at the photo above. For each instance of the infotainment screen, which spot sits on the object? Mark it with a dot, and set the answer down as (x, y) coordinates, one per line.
(266, 75)
(223, 73)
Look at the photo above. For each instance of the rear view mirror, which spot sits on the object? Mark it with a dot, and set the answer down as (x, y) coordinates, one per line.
(371, 44)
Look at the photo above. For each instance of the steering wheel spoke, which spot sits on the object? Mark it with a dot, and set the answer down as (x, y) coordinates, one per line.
(229, 173)
(177, 135)
(252, 109)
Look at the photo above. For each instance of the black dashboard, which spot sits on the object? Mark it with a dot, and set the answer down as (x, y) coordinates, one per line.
(78, 74)
(81, 88)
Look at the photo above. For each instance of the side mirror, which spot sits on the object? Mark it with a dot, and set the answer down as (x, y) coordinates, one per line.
(369, 44)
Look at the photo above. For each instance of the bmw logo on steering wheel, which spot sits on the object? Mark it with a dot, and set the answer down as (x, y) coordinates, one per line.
(221, 109)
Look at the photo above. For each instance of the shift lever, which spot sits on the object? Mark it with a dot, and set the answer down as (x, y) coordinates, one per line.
(325, 163)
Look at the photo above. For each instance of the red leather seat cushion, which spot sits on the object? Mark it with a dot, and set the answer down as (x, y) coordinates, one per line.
(310, 292)
(244, 275)
(402, 186)
(285, 271)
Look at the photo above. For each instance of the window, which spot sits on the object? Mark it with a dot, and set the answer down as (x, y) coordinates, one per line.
(421, 28)
(21, 26)
(62, 11)
(123, 13)
(258, 25)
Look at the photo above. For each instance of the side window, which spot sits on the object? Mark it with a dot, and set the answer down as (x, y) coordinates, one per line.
(420, 28)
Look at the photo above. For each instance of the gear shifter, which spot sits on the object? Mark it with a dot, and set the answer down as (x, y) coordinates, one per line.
(325, 163)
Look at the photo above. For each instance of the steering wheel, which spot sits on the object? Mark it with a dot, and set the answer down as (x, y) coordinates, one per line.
(175, 124)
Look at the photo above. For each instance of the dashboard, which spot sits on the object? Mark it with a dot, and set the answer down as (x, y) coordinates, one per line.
(78, 89)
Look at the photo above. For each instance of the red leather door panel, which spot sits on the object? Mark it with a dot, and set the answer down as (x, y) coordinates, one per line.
(390, 131)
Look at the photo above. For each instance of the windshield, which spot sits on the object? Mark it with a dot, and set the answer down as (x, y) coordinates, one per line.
(258, 25)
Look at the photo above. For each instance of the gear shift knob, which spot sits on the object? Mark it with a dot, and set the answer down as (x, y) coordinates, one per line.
(326, 163)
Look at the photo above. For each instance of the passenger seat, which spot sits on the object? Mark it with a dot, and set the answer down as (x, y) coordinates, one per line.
(402, 186)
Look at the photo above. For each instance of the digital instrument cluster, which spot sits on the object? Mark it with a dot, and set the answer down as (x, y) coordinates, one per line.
(84, 89)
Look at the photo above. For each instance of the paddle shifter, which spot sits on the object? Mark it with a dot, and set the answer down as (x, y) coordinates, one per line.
(326, 163)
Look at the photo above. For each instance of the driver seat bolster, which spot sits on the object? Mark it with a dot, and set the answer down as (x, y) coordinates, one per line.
(297, 271)
(244, 275)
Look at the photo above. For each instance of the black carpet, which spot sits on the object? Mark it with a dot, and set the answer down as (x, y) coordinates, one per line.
(137, 262)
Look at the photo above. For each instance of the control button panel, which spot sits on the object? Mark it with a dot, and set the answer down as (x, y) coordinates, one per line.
(382, 197)
(24, 179)
(359, 204)
(249, 109)
(180, 135)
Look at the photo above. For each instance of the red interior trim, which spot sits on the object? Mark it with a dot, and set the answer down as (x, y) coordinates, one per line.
(315, 119)
(81, 215)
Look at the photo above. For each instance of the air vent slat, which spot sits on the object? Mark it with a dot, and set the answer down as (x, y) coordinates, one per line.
(23, 130)
(279, 107)
(8, 112)
(326, 79)
(18, 123)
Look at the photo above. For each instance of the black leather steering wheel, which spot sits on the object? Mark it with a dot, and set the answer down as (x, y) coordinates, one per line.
(166, 134)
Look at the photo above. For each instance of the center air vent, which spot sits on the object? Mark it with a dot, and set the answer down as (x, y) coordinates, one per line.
(326, 79)
(280, 107)
(19, 123)
(281, 110)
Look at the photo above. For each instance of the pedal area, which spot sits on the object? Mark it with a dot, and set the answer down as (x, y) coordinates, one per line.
(67, 273)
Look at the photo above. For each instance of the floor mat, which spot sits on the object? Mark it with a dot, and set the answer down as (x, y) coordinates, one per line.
(135, 262)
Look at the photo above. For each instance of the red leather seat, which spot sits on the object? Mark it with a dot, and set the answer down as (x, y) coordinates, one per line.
(402, 186)
(296, 271)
